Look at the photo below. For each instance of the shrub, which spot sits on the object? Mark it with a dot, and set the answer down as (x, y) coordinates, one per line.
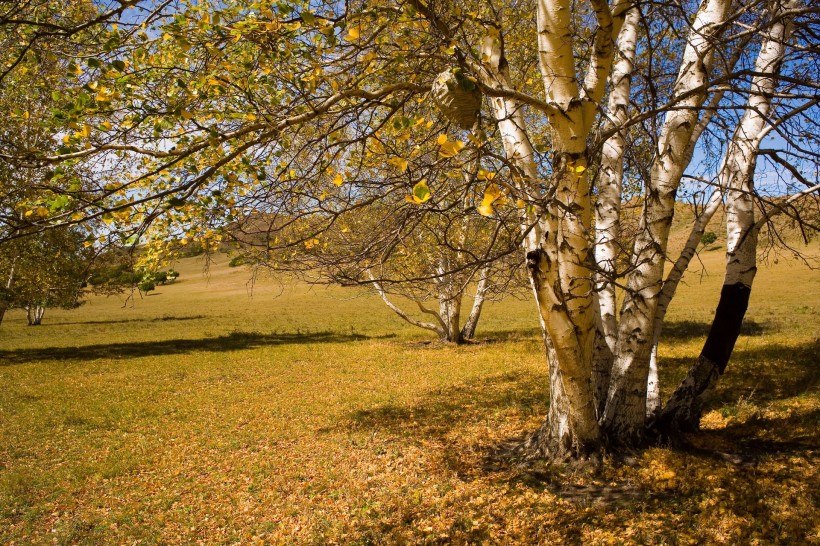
(708, 238)
(146, 285)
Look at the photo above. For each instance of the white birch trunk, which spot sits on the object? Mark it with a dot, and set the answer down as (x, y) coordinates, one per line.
(608, 206)
(4, 305)
(625, 413)
(468, 331)
(684, 408)
(670, 286)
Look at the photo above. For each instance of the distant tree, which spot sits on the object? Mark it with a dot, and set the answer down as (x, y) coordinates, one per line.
(43, 270)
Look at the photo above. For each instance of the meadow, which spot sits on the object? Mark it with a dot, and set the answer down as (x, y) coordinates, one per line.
(216, 411)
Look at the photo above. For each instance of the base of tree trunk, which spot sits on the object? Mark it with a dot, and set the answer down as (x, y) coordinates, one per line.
(683, 412)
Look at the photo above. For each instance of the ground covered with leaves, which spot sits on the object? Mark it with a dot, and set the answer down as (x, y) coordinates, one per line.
(314, 416)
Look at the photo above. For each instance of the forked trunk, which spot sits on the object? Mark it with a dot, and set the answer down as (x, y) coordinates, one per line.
(684, 409)
(34, 314)
(450, 313)
(625, 413)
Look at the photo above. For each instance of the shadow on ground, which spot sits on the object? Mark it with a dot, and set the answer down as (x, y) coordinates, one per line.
(761, 374)
(765, 374)
(126, 321)
(685, 330)
(235, 341)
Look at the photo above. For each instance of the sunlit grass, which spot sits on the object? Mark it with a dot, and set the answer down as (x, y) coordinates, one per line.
(314, 416)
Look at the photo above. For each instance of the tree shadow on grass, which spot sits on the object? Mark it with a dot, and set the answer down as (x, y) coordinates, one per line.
(685, 330)
(458, 406)
(126, 321)
(773, 372)
(763, 374)
(235, 341)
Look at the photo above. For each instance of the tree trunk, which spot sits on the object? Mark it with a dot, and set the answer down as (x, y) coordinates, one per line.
(625, 413)
(450, 312)
(683, 411)
(468, 331)
(608, 208)
(5, 301)
(670, 286)
(34, 314)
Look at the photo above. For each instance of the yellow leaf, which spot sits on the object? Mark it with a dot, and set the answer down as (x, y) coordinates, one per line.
(186, 115)
(338, 180)
(352, 34)
(28, 213)
(485, 209)
(442, 138)
(106, 125)
(485, 175)
(42, 211)
(491, 195)
(399, 163)
(577, 169)
(450, 148)
(377, 146)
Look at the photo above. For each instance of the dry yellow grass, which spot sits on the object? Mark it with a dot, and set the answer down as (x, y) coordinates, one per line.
(314, 416)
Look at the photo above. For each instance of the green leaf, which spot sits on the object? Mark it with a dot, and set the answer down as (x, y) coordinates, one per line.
(421, 193)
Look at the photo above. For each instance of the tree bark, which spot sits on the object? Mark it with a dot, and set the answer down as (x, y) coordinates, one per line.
(608, 207)
(468, 331)
(34, 314)
(625, 413)
(450, 313)
(683, 411)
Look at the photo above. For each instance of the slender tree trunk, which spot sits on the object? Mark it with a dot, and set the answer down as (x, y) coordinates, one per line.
(608, 207)
(670, 286)
(6, 300)
(625, 413)
(450, 313)
(468, 331)
(683, 411)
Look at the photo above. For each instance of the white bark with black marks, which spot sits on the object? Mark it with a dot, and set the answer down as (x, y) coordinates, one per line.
(684, 408)
(625, 413)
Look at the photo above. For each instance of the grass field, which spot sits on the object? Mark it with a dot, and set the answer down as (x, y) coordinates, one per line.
(314, 416)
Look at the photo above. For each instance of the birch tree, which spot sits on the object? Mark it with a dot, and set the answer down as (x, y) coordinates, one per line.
(313, 111)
